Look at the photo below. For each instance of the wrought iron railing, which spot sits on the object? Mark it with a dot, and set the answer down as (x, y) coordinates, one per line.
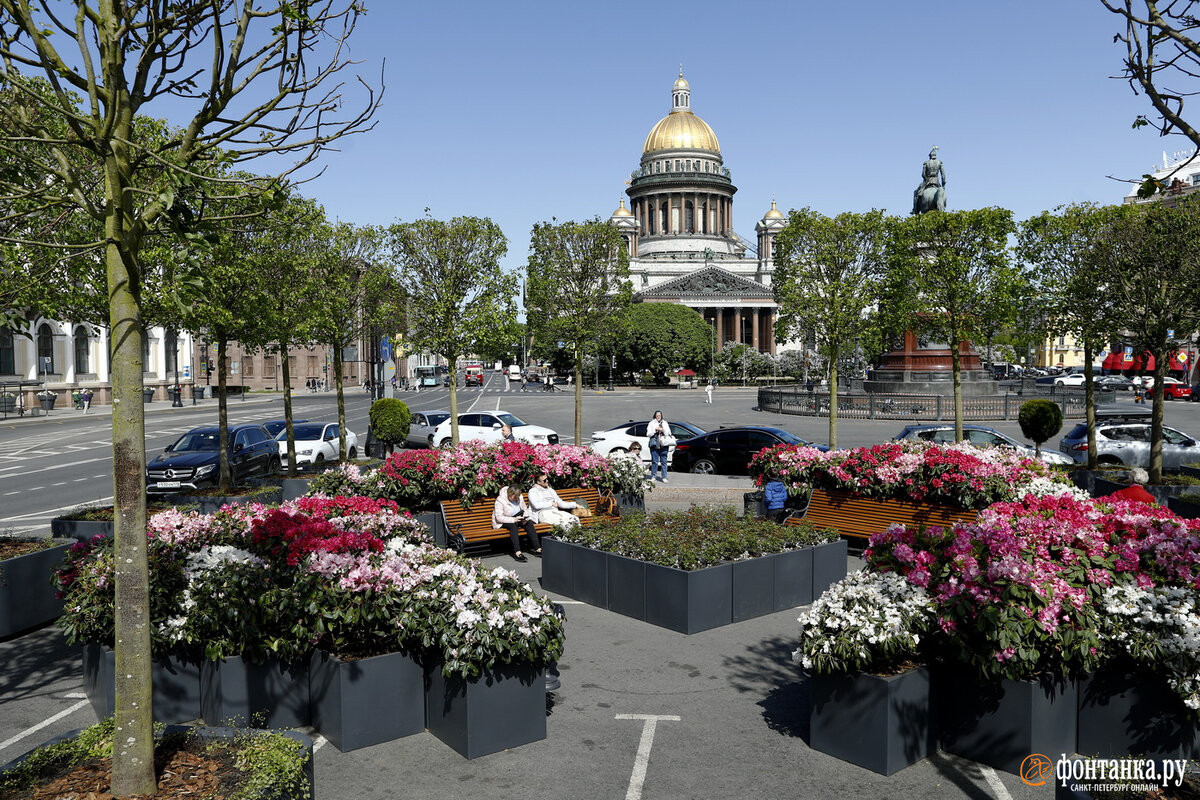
(931, 407)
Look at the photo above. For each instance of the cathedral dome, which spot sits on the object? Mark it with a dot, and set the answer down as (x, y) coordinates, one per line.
(681, 129)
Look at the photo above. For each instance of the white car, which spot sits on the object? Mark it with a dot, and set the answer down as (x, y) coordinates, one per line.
(1070, 379)
(616, 440)
(421, 427)
(485, 426)
(316, 443)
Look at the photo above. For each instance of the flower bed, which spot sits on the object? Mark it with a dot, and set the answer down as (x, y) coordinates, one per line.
(419, 479)
(961, 475)
(689, 570)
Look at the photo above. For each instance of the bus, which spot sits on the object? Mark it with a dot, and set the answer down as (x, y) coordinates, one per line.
(426, 375)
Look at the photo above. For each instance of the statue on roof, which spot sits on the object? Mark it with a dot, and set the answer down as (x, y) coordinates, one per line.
(931, 194)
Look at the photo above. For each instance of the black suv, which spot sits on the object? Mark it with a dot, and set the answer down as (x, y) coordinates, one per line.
(194, 460)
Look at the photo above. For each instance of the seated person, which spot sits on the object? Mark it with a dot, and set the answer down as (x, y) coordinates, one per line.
(512, 514)
(775, 498)
(548, 506)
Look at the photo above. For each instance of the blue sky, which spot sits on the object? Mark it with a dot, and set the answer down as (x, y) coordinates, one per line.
(525, 111)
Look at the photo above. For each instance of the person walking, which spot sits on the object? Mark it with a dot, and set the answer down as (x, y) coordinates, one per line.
(513, 514)
(86, 398)
(708, 393)
(523, 379)
(658, 430)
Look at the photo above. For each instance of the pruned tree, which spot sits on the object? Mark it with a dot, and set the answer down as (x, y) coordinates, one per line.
(952, 265)
(1076, 286)
(1152, 254)
(241, 82)
(661, 337)
(828, 274)
(459, 291)
(578, 284)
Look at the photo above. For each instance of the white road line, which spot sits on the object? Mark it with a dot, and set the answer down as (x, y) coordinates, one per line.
(74, 695)
(993, 780)
(77, 480)
(642, 761)
(59, 466)
(318, 742)
(29, 731)
(51, 511)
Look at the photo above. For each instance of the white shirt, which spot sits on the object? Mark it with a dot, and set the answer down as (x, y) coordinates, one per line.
(543, 497)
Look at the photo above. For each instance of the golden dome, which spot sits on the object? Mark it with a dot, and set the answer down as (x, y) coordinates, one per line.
(681, 130)
(622, 211)
(681, 83)
(774, 213)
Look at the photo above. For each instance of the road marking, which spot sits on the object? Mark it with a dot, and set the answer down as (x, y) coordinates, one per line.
(993, 780)
(318, 742)
(74, 695)
(29, 731)
(50, 511)
(77, 480)
(642, 761)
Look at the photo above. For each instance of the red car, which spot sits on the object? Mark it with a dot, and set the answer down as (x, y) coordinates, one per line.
(1173, 389)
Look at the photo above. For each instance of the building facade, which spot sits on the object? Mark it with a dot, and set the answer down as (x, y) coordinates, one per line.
(679, 229)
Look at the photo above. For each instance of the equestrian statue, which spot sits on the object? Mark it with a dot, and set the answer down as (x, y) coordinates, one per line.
(931, 194)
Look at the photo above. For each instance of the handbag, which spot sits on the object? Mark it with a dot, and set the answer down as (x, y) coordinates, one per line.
(581, 512)
(667, 440)
(607, 506)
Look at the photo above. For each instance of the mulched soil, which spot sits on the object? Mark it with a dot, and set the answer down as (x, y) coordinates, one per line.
(184, 773)
(10, 549)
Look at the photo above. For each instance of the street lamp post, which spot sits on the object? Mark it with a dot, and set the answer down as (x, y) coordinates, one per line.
(177, 402)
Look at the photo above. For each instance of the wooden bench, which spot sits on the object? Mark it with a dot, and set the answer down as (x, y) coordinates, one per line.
(473, 525)
(856, 517)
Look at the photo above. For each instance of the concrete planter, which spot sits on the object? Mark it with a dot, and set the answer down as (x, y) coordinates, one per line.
(306, 791)
(209, 504)
(626, 586)
(501, 709)
(752, 588)
(436, 524)
(689, 601)
(1183, 508)
(882, 724)
(1162, 492)
(176, 685)
(26, 595)
(81, 530)
(999, 724)
(829, 565)
(271, 695)
(366, 702)
(793, 578)
(557, 566)
(1122, 715)
(292, 488)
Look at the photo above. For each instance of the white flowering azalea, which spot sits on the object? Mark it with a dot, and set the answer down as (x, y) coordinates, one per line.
(1159, 629)
(1049, 487)
(867, 622)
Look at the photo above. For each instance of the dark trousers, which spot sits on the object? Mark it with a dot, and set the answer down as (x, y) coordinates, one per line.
(514, 532)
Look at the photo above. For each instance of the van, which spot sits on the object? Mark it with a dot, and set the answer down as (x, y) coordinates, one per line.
(474, 376)
(514, 372)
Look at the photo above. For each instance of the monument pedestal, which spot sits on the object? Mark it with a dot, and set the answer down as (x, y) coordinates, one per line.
(919, 366)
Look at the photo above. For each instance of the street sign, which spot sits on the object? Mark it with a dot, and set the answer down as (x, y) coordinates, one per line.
(385, 349)
(187, 371)
(1129, 354)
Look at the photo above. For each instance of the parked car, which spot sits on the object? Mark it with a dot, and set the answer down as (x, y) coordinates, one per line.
(421, 427)
(274, 426)
(981, 436)
(193, 460)
(485, 426)
(1118, 383)
(316, 443)
(616, 440)
(728, 451)
(1124, 439)
(1172, 389)
(1070, 379)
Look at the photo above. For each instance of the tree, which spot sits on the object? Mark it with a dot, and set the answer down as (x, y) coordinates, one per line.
(1077, 288)
(1039, 419)
(460, 291)
(1152, 254)
(953, 265)
(243, 81)
(662, 337)
(827, 278)
(1162, 54)
(578, 284)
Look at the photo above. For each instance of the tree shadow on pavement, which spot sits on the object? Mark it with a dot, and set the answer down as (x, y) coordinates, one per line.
(37, 663)
(766, 668)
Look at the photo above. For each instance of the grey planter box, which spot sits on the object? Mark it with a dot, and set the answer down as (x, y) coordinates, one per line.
(208, 504)
(557, 559)
(1000, 724)
(793, 580)
(211, 733)
(176, 685)
(436, 524)
(366, 702)
(1184, 509)
(631, 503)
(271, 695)
(501, 709)
(689, 602)
(829, 565)
(1122, 715)
(752, 588)
(26, 595)
(81, 530)
(882, 724)
(626, 586)
(589, 575)
(292, 488)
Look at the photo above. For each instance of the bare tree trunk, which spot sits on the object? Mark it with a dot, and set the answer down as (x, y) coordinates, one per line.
(956, 372)
(1089, 402)
(341, 399)
(225, 481)
(452, 364)
(287, 409)
(1156, 418)
(579, 391)
(835, 351)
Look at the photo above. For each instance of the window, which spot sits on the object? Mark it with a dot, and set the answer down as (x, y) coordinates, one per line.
(1062, 341)
(45, 348)
(668, 166)
(171, 343)
(310, 365)
(688, 166)
(291, 365)
(677, 163)
(81, 351)
(1194, 178)
(658, 166)
(8, 355)
(248, 366)
(145, 351)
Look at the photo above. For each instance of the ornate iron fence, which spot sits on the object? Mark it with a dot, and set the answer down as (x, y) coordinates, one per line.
(930, 407)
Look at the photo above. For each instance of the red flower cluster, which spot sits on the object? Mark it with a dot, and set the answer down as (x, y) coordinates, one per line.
(343, 506)
(298, 535)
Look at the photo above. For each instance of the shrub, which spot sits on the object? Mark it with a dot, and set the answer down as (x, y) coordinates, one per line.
(1040, 419)
(390, 419)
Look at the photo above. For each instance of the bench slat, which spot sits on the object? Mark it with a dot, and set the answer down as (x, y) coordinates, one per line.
(861, 517)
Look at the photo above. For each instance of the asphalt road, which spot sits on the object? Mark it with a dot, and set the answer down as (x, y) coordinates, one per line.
(730, 709)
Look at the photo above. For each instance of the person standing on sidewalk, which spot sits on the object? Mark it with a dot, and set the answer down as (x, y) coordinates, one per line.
(708, 393)
(656, 430)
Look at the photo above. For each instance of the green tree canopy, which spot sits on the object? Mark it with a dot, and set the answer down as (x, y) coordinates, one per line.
(662, 337)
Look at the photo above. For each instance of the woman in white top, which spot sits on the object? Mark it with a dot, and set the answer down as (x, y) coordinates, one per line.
(549, 507)
(658, 452)
(512, 514)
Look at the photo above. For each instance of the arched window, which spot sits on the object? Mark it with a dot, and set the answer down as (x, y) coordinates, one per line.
(664, 226)
(45, 348)
(171, 343)
(8, 355)
(689, 217)
(81, 350)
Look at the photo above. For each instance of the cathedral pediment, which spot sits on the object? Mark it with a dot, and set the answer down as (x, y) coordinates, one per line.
(709, 282)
